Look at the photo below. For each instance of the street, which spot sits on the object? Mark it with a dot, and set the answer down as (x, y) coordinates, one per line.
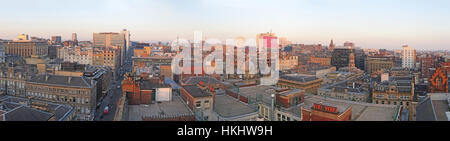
(114, 95)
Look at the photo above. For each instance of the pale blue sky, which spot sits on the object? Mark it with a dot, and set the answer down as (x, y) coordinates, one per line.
(423, 24)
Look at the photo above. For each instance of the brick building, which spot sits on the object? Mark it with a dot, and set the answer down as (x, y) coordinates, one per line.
(144, 91)
(326, 112)
(321, 59)
(27, 48)
(317, 108)
(396, 92)
(378, 64)
(200, 99)
(80, 92)
(439, 82)
(426, 63)
(308, 83)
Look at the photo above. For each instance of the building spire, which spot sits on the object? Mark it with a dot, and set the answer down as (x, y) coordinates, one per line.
(331, 47)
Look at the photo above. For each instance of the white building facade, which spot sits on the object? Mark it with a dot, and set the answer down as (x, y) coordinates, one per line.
(408, 57)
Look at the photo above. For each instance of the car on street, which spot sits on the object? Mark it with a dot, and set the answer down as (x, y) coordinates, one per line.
(106, 110)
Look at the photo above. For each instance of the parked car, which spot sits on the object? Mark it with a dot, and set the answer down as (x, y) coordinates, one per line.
(106, 111)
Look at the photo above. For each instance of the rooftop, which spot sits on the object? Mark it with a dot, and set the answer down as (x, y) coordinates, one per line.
(16, 109)
(67, 81)
(176, 107)
(299, 77)
(260, 91)
(434, 107)
(195, 91)
(196, 80)
(147, 85)
(229, 107)
(360, 111)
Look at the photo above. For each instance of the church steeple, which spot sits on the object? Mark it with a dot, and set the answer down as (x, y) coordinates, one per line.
(331, 47)
(351, 62)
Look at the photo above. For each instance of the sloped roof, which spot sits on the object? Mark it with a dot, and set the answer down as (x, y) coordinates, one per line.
(68, 81)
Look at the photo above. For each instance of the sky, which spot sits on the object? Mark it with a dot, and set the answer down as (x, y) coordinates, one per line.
(389, 24)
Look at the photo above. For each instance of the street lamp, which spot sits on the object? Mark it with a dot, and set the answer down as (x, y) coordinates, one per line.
(272, 107)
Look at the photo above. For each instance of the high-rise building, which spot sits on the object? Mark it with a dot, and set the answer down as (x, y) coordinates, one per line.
(110, 40)
(74, 37)
(340, 57)
(378, 64)
(127, 35)
(408, 57)
(267, 37)
(427, 63)
(360, 58)
(56, 40)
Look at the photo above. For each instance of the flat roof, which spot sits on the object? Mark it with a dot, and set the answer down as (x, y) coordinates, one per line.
(229, 107)
(299, 77)
(360, 111)
(195, 91)
(260, 90)
(176, 107)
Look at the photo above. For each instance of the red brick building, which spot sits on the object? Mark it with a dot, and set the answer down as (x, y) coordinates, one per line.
(141, 91)
(427, 63)
(289, 98)
(200, 99)
(439, 81)
(324, 112)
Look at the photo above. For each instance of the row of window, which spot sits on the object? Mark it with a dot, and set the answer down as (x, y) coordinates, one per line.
(59, 98)
(389, 103)
(392, 96)
(198, 104)
(281, 117)
(57, 90)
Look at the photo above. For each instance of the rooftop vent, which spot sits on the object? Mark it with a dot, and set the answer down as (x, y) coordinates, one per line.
(69, 79)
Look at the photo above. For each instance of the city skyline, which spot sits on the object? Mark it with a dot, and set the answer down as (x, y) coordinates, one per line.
(369, 24)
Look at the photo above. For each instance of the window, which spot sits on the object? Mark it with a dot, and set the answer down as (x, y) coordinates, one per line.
(198, 104)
